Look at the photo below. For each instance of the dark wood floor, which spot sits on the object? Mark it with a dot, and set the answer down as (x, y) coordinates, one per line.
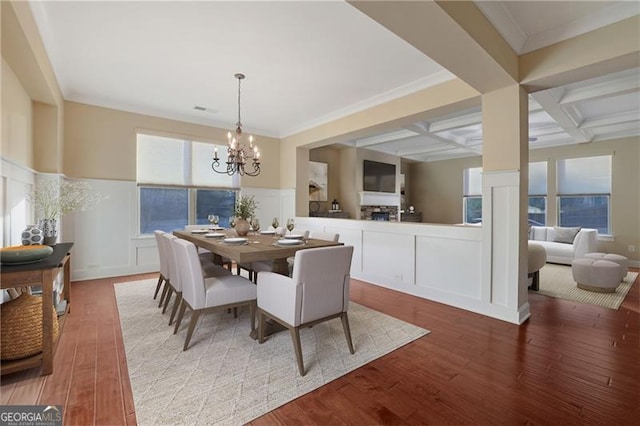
(569, 364)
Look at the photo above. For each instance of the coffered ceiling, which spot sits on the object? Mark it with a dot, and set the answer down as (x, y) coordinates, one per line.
(311, 62)
(602, 108)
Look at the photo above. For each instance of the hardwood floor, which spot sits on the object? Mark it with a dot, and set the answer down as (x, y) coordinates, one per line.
(569, 364)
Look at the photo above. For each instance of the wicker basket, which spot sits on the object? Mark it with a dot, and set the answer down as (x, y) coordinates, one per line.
(21, 321)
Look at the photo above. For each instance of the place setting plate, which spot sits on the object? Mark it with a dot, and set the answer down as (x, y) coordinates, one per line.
(214, 235)
(294, 237)
(216, 228)
(268, 232)
(199, 231)
(235, 241)
(289, 242)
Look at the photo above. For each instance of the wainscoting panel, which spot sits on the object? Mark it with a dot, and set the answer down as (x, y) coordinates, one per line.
(449, 265)
(390, 256)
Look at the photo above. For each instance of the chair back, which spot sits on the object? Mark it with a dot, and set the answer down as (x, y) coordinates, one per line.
(327, 236)
(162, 253)
(324, 274)
(190, 273)
(174, 269)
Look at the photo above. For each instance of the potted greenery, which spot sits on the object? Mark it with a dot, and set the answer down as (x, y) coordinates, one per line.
(53, 199)
(244, 210)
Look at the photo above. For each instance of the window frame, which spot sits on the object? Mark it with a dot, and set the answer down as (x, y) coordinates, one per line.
(560, 195)
(188, 148)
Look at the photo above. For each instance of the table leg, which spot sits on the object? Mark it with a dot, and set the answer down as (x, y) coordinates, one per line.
(280, 266)
(66, 292)
(47, 320)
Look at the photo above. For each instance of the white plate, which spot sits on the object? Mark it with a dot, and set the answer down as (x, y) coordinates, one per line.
(294, 237)
(267, 232)
(289, 242)
(235, 240)
(215, 235)
(199, 231)
(216, 228)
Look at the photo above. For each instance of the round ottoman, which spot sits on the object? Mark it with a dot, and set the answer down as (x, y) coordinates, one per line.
(602, 276)
(620, 260)
(537, 257)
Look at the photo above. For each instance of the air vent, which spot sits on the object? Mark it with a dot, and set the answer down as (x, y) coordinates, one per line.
(199, 108)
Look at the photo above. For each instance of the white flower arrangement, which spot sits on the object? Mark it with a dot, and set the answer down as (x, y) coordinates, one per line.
(55, 199)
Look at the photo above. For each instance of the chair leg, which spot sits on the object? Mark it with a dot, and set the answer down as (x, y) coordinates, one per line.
(295, 336)
(166, 300)
(260, 326)
(176, 304)
(164, 292)
(235, 312)
(252, 315)
(183, 307)
(535, 282)
(160, 280)
(192, 325)
(347, 331)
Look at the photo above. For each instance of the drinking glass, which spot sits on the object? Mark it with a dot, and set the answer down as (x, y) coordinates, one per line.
(232, 222)
(290, 225)
(255, 225)
(214, 219)
(275, 223)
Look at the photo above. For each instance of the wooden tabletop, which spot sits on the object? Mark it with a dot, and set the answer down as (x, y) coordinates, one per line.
(259, 247)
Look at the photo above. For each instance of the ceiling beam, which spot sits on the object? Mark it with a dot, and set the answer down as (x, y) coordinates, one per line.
(555, 111)
(605, 89)
(470, 38)
(386, 137)
(603, 51)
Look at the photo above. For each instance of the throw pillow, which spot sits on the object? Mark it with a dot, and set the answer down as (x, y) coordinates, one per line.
(565, 235)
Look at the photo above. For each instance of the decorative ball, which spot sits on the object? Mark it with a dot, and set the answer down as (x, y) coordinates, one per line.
(32, 235)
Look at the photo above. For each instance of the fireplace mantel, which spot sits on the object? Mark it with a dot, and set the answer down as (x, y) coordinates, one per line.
(379, 199)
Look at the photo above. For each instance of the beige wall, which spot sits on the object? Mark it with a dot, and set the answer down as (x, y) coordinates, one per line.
(100, 143)
(437, 188)
(17, 119)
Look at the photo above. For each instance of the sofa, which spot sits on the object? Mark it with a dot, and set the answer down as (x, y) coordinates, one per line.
(563, 244)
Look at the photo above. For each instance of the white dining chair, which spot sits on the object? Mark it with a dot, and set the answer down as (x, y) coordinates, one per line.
(228, 263)
(316, 235)
(163, 265)
(209, 269)
(265, 265)
(317, 292)
(202, 295)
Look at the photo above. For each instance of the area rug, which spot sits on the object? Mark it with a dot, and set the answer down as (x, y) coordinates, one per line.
(225, 377)
(557, 281)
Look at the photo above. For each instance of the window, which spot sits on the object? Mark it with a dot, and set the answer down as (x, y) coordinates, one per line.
(177, 185)
(584, 192)
(537, 193)
(472, 200)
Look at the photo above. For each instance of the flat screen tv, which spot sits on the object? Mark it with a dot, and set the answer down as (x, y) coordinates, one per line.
(379, 177)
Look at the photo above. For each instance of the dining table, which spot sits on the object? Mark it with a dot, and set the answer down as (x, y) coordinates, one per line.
(257, 247)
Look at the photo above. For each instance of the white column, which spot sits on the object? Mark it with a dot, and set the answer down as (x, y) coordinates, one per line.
(504, 202)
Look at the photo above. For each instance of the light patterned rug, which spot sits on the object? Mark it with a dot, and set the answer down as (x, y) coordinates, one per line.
(225, 377)
(557, 281)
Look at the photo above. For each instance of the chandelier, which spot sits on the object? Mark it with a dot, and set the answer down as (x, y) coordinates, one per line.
(238, 154)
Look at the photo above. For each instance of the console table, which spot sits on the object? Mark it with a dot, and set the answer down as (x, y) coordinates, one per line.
(41, 273)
